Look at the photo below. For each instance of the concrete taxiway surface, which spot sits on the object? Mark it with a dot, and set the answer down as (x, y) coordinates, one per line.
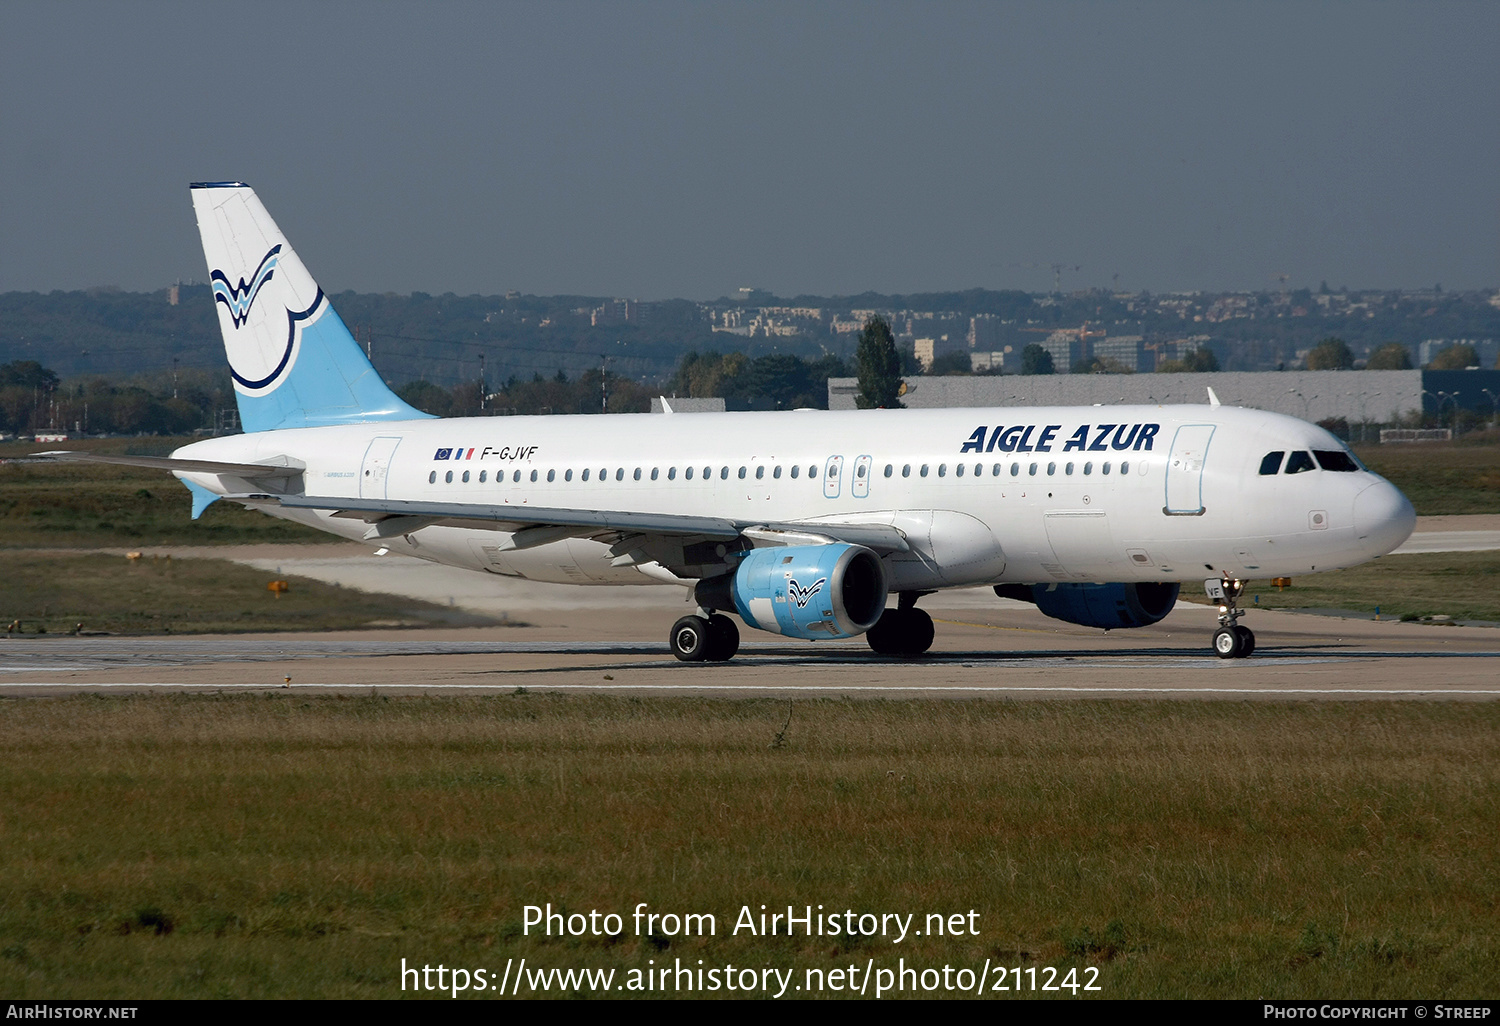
(1005, 651)
(570, 638)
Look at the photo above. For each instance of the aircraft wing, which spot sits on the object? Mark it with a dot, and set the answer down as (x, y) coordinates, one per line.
(403, 516)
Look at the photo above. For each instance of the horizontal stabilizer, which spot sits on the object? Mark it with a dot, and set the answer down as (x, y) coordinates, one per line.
(284, 467)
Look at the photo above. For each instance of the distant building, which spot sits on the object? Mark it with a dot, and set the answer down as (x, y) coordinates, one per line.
(620, 311)
(987, 362)
(1129, 351)
(929, 349)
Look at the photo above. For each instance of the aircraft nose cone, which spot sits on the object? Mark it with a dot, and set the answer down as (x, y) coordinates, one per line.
(1383, 517)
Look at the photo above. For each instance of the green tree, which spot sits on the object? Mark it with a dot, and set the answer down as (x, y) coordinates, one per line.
(950, 364)
(879, 367)
(1391, 356)
(1198, 361)
(1455, 358)
(1036, 360)
(1330, 354)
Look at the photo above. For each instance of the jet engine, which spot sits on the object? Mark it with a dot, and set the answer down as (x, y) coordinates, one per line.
(803, 591)
(1097, 605)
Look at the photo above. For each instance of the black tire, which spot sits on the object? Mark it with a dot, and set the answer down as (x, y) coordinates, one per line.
(723, 638)
(919, 632)
(1247, 640)
(885, 637)
(690, 639)
(1227, 643)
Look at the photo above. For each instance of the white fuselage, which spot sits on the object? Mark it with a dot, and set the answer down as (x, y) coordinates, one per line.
(1027, 495)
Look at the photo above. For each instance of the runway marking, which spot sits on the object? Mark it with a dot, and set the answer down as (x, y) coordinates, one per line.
(781, 688)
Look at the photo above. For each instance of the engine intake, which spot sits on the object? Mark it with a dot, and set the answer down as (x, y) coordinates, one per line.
(803, 591)
(1097, 605)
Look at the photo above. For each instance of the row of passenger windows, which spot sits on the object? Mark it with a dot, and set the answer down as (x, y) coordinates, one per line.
(924, 470)
(1301, 461)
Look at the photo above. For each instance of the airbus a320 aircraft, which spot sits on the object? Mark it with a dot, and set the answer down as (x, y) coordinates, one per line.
(804, 523)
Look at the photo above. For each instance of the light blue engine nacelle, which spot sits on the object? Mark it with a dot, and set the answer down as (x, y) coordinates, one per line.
(803, 591)
(1097, 605)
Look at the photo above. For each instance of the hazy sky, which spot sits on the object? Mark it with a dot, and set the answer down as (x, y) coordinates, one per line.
(686, 149)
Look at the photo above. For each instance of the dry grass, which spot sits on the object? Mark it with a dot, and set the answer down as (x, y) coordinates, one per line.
(52, 593)
(303, 846)
(1459, 585)
(1441, 479)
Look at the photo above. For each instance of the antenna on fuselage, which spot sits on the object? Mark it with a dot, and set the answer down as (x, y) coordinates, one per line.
(1213, 400)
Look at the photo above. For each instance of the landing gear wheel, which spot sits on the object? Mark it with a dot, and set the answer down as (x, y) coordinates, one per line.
(1227, 643)
(690, 639)
(723, 638)
(1247, 640)
(919, 632)
(885, 637)
(901, 632)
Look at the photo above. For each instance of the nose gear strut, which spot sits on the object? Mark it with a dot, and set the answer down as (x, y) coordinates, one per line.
(1232, 640)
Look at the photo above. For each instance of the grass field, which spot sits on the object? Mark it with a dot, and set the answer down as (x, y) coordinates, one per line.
(52, 592)
(81, 505)
(282, 845)
(1441, 479)
(1460, 585)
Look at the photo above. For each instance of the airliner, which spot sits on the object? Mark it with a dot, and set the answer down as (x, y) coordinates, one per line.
(808, 524)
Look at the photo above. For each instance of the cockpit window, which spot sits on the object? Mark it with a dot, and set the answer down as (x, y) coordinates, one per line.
(1299, 461)
(1336, 460)
(1272, 463)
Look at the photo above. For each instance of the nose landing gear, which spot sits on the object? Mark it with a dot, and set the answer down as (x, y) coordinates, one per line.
(1232, 640)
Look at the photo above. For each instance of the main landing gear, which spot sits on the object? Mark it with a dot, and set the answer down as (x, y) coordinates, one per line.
(697, 639)
(905, 630)
(1232, 640)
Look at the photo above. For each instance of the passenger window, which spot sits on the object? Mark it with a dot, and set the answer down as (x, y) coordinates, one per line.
(620, 473)
(1088, 468)
(515, 477)
(1335, 460)
(859, 472)
(567, 474)
(448, 477)
(1051, 469)
(432, 477)
(923, 471)
(671, 473)
(1299, 462)
(812, 471)
(636, 474)
(760, 472)
(796, 469)
(979, 469)
(1271, 463)
(942, 470)
(1104, 469)
(585, 473)
(551, 476)
(776, 472)
(889, 470)
(688, 473)
(742, 473)
(995, 470)
(1125, 467)
(906, 470)
(1068, 470)
(654, 473)
(483, 475)
(1015, 470)
(708, 472)
(1033, 470)
(533, 477)
(958, 470)
(723, 473)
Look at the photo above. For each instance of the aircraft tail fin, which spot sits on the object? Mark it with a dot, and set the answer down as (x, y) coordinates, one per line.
(293, 361)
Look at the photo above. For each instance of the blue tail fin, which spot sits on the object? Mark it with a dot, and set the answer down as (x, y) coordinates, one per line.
(294, 363)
